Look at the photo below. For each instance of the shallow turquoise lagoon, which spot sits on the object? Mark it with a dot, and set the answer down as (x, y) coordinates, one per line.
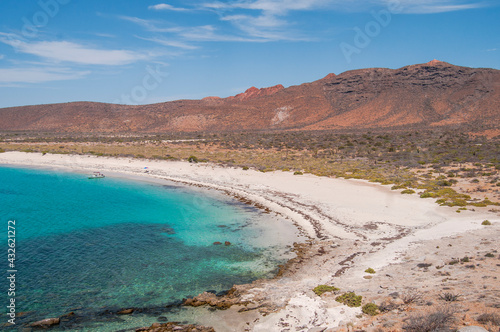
(95, 246)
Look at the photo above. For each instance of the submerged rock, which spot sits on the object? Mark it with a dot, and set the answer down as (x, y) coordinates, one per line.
(125, 312)
(46, 322)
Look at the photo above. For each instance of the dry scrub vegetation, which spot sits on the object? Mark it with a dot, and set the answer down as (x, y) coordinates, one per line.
(453, 168)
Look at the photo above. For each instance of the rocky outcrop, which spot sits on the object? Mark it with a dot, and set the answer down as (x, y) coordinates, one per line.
(253, 92)
(219, 302)
(171, 327)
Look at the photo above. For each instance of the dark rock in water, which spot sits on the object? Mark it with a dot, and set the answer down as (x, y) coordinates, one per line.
(227, 243)
(213, 291)
(222, 226)
(46, 322)
(217, 243)
(168, 230)
(162, 319)
(125, 312)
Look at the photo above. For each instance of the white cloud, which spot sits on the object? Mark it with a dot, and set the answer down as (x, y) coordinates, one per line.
(2, 56)
(164, 6)
(64, 51)
(39, 74)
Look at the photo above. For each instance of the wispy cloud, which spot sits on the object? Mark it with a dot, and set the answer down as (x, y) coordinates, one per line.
(105, 35)
(151, 25)
(264, 19)
(38, 75)
(272, 20)
(434, 7)
(181, 36)
(170, 42)
(164, 6)
(65, 51)
(2, 56)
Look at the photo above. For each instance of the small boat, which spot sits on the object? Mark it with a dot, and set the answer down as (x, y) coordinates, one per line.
(96, 175)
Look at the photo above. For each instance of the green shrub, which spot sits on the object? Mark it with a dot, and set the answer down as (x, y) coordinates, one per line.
(489, 255)
(370, 270)
(246, 168)
(408, 191)
(350, 299)
(486, 223)
(321, 289)
(2, 150)
(370, 309)
(193, 159)
(298, 173)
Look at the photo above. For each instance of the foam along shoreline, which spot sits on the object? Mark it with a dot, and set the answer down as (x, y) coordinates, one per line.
(366, 225)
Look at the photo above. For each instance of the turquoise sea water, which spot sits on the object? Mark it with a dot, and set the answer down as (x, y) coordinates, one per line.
(94, 246)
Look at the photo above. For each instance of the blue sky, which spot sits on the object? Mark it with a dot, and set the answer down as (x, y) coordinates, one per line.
(139, 52)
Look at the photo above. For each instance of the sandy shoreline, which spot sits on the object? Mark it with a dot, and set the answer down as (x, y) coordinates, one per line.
(343, 216)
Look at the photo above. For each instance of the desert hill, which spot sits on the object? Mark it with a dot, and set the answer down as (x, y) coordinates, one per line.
(434, 94)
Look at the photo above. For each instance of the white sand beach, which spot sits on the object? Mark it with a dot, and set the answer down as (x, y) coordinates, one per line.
(344, 217)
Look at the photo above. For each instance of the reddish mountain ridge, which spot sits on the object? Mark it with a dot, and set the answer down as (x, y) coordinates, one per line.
(435, 94)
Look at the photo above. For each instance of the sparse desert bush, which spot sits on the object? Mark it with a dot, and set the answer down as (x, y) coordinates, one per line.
(492, 318)
(449, 297)
(2, 150)
(490, 255)
(321, 289)
(387, 306)
(245, 168)
(411, 296)
(370, 270)
(486, 223)
(298, 173)
(428, 322)
(350, 299)
(370, 309)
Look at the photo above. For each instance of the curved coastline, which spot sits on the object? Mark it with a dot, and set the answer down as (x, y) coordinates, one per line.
(351, 223)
